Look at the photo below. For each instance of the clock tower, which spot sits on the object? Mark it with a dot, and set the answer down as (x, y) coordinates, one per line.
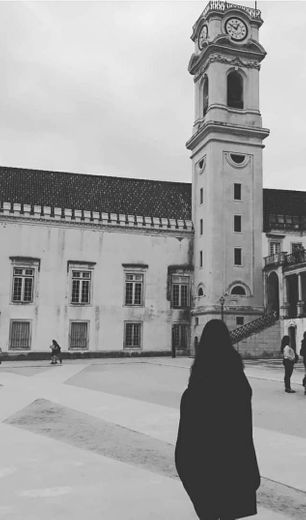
(226, 152)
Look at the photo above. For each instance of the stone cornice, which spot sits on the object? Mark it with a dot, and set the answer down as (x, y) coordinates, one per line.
(222, 51)
(57, 216)
(221, 127)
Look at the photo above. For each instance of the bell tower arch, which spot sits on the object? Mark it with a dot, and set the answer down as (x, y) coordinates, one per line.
(226, 151)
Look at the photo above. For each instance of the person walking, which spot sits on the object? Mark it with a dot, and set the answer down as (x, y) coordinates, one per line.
(55, 353)
(289, 358)
(303, 355)
(214, 454)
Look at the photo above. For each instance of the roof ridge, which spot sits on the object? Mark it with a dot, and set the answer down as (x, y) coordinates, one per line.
(61, 172)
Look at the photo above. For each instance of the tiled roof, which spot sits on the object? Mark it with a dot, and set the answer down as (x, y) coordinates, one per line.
(122, 195)
(283, 202)
(96, 193)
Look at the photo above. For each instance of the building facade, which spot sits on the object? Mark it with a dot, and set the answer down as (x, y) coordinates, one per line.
(106, 264)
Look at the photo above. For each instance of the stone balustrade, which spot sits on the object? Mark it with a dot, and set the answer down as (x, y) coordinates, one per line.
(36, 212)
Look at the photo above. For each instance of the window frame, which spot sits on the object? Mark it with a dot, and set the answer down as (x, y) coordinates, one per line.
(237, 218)
(273, 243)
(12, 322)
(236, 249)
(82, 280)
(133, 347)
(81, 267)
(24, 263)
(186, 327)
(180, 284)
(134, 272)
(71, 323)
(236, 184)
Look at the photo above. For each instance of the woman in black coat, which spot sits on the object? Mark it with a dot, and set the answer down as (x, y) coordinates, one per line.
(214, 455)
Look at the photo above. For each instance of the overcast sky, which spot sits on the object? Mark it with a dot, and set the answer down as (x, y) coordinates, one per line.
(103, 87)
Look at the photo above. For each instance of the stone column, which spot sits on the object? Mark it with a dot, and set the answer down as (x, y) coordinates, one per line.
(300, 303)
(285, 306)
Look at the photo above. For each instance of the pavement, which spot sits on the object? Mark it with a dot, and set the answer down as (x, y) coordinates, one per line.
(78, 443)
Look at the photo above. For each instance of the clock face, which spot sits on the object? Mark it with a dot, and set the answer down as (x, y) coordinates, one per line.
(236, 28)
(202, 36)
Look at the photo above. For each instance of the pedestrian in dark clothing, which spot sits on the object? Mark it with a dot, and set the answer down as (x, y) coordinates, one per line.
(55, 352)
(214, 455)
(289, 358)
(303, 354)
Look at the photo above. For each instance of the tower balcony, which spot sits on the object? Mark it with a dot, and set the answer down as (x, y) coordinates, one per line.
(222, 6)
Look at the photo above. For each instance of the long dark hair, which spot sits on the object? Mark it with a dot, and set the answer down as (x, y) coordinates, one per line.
(55, 343)
(285, 341)
(215, 353)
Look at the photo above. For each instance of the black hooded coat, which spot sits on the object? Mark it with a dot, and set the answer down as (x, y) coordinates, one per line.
(214, 455)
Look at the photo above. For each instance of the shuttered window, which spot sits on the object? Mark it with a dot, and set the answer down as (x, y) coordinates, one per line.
(78, 335)
(20, 334)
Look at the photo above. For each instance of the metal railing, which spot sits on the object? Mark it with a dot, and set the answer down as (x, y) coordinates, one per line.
(218, 5)
(298, 257)
(246, 330)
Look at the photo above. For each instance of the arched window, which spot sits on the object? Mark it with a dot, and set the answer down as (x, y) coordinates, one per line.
(238, 289)
(200, 291)
(205, 95)
(235, 90)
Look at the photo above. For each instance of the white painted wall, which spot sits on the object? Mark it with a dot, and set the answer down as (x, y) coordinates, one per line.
(109, 247)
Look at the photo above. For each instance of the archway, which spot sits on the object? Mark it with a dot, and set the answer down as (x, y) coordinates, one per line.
(273, 293)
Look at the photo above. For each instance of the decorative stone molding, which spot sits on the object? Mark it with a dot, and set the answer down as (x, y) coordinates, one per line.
(235, 61)
(78, 216)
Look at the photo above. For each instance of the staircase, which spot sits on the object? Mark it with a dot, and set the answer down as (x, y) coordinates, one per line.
(259, 338)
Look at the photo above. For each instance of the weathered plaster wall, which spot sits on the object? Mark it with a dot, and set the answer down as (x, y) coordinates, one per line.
(109, 247)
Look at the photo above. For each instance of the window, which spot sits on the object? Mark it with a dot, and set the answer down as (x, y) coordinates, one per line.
(23, 284)
(201, 258)
(201, 195)
(237, 256)
(296, 247)
(237, 158)
(239, 320)
(205, 95)
(237, 191)
(134, 288)
(274, 248)
(20, 334)
(180, 336)
(180, 291)
(237, 223)
(81, 287)
(78, 337)
(238, 289)
(132, 334)
(235, 90)
(201, 226)
(200, 291)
